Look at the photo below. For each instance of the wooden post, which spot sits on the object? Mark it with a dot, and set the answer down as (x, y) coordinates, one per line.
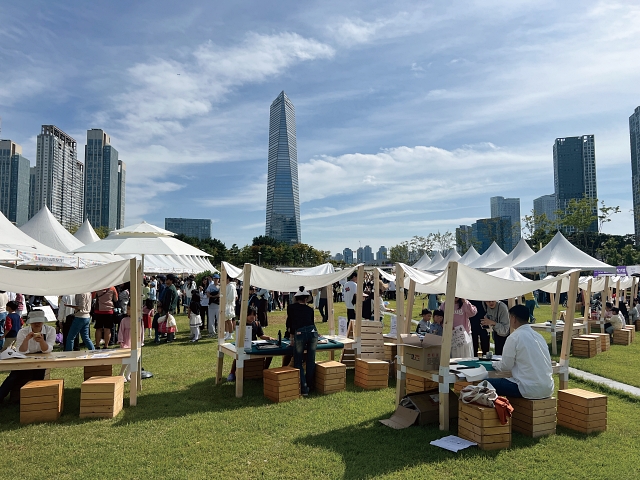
(241, 328)
(411, 299)
(618, 292)
(134, 314)
(554, 318)
(376, 294)
(331, 319)
(587, 306)
(634, 289)
(568, 327)
(400, 376)
(360, 292)
(221, 320)
(445, 350)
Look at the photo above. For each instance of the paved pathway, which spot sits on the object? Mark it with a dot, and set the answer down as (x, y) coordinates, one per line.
(605, 381)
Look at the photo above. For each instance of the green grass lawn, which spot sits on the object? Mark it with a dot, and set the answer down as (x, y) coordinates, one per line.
(187, 427)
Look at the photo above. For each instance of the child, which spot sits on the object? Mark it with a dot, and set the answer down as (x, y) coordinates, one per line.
(194, 316)
(425, 324)
(124, 339)
(12, 325)
(147, 316)
(256, 332)
(436, 327)
(155, 325)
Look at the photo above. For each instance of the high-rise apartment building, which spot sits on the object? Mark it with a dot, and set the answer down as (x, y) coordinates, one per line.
(382, 254)
(59, 182)
(360, 255)
(508, 207)
(347, 254)
(14, 183)
(122, 174)
(283, 202)
(367, 254)
(574, 171)
(464, 238)
(191, 227)
(546, 204)
(634, 136)
(488, 230)
(32, 191)
(101, 180)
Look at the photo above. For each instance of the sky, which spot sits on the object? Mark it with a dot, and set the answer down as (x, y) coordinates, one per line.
(410, 115)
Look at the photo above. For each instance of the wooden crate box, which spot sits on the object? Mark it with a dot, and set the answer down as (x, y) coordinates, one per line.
(632, 329)
(281, 384)
(371, 374)
(598, 341)
(605, 340)
(348, 358)
(481, 424)
(41, 401)
(622, 337)
(582, 410)
(371, 340)
(253, 368)
(101, 397)
(416, 384)
(534, 418)
(584, 347)
(98, 371)
(637, 325)
(331, 377)
(459, 385)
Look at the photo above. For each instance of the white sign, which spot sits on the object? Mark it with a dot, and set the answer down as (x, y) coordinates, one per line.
(342, 326)
(247, 337)
(394, 325)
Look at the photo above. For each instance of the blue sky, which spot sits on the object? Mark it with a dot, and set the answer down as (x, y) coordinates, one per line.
(410, 115)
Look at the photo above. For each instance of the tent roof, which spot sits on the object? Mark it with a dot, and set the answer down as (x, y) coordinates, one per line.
(86, 234)
(509, 274)
(437, 258)
(452, 256)
(492, 255)
(323, 269)
(139, 245)
(424, 261)
(520, 253)
(470, 256)
(143, 228)
(7, 257)
(560, 255)
(44, 227)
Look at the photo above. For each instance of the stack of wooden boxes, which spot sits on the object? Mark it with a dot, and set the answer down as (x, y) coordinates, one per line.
(622, 337)
(371, 340)
(416, 384)
(585, 347)
(605, 340)
(101, 397)
(581, 410)
(41, 401)
(371, 374)
(534, 418)
(331, 377)
(390, 353)
(98, 371)
(632, 329)
(481, 424)
(281, 384)
(253, 368)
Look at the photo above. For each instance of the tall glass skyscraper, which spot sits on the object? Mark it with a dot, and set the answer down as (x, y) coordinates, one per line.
(283, 201)
(101, 180)
(507, 207)
(14, 183)
(634, 135)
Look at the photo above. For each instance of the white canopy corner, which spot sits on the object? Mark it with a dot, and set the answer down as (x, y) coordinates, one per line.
(452, 256)
(493, 254)
(520, 253)
(470, 256)
(422, 262)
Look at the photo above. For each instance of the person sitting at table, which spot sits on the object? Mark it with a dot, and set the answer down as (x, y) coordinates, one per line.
(497, 316)
(12, 324)
(36, 338)
(616, 322)
(526, 355)
(303, 335)
(256, 333)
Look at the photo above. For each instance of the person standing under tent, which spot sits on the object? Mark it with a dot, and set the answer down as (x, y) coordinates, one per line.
(145, 290)
(188, 287)
(303, 335)
(497, 316)
(4, 299)
(170, 295)
(204, 299)
(530, 303)
(479, 334)
(634, 313)
(323, 304)
(194, 316)
(147, 316)
(104, 315)
(350, 291)
(391, 291)
(80, 325)
(263, 307)
(12, 324)
(213, 305)
(461, 343)
(66, 315)
(231, 295)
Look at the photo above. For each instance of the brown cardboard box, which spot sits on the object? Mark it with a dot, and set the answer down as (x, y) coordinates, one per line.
(424, 409)
(421, 355)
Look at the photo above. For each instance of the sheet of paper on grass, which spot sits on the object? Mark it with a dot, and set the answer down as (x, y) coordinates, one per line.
(453, 443)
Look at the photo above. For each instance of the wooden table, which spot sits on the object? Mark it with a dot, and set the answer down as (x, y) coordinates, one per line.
(230, 350)
(84, 358)
(554, 329)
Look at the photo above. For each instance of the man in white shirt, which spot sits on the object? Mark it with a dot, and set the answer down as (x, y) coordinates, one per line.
(526, 355)
(350, 290)
(35, 338)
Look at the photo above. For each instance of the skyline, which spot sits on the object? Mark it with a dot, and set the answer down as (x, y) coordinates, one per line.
(409, 116)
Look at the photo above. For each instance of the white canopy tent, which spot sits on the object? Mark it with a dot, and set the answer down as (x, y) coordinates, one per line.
(324, 269)
(520, 253)
(560, 255)
(452, 256)
(422, 262)
(493, 254)
(470, 256)
(86, 234)
(437, 258)
(8, 257)
(509, 274)
(289, 282)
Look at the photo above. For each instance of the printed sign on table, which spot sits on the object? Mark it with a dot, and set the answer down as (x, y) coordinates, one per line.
(394, 325)
(342, 326)
(247, 337)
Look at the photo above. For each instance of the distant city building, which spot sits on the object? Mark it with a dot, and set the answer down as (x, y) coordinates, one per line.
(122, 173)
(464, 238)
(338, 257)
(283, 202)
(368, 255)
(14, 183)
(574, 171)
(382, 255)
(634, 134)
(59, 182)
(101, 180)
(488, 230)
(546, 204)
(347, 255)
(191, 227)
(360, 255)
(507, 207)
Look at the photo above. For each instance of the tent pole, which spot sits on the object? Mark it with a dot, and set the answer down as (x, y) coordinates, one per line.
(221, 319)
(568, 330)
(400, 373)
(359, 294)
(618, 292)
(411, 299)
(587, 306)
(376, 294)
(135, 338)
(445, 350)
(332, 320)
(241, 328)
(554, 318)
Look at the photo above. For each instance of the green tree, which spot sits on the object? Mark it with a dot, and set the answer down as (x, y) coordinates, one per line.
(399, 253)
(537, 230)
(444, 241)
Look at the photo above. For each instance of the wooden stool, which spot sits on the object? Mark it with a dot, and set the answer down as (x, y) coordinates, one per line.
(331, 377)
(637, 325)
(605, 340)
(416, 384)
(622, 337)
(481, 424)
(281, 384)
(585, 347)
(632, 329)
(459, 385)
(582, 410)
(253, 368)
(371, 374)
(41, 401)
(101, 397)
(534, 418)
(98, 371)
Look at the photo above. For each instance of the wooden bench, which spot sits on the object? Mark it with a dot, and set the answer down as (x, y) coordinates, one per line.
(41, 401)
(534, 418)
(101, 397)
(582, 410)
(481, 424)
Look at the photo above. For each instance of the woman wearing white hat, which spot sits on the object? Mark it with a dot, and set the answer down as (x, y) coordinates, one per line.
(35, 338)
(303, 335)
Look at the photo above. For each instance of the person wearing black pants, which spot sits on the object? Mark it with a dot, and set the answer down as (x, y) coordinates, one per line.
(497, 316)
(479, 335)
